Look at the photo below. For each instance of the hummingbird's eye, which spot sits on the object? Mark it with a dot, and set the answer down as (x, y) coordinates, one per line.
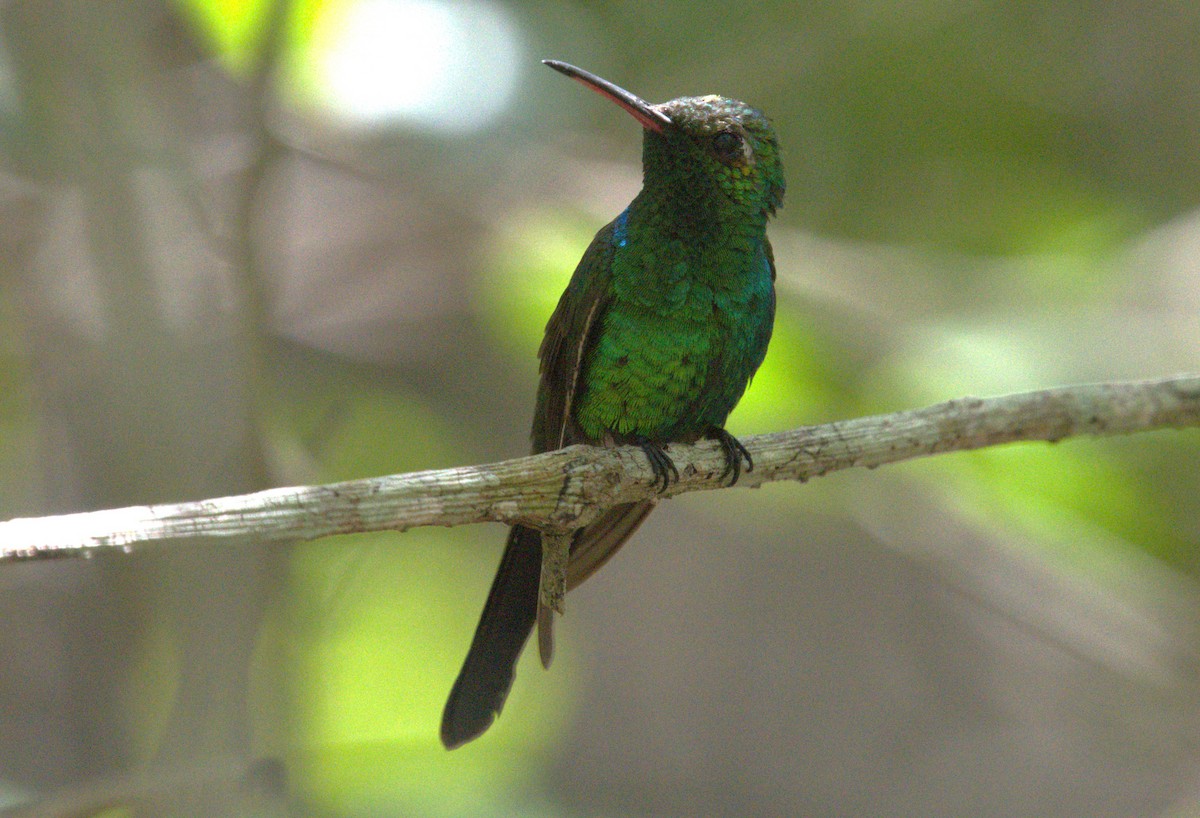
(728, 146)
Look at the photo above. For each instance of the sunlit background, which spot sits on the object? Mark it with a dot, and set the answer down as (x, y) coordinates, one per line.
(249, 243)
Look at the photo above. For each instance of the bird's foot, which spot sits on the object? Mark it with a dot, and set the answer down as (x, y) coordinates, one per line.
(734, 452)
(660, 462)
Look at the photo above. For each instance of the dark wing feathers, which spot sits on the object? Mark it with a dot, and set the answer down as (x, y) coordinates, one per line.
(569, 336)
(594, 545)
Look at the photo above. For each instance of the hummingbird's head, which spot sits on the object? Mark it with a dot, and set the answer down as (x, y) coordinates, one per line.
(715, 140)
(707, 152)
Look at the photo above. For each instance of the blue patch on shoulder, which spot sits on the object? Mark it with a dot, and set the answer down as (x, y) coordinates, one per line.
(619, 229)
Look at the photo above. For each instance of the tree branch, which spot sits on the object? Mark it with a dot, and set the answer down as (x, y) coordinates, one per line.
(565, 489)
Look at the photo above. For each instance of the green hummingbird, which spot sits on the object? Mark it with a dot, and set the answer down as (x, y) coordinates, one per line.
(659, 331)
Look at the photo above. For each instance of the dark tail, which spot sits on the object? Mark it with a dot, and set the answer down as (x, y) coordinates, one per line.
(511, 611)
(508, 618)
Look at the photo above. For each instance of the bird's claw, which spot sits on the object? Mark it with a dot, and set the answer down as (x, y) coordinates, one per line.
(660, 463)
(734, 453)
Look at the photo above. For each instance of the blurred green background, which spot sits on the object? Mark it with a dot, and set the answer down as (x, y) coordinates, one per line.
(249, 243)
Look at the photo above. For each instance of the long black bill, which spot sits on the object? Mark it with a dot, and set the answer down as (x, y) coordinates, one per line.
(650, 117)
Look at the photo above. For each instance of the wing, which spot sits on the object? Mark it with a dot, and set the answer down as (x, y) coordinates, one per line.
(570, 334)
(595, 544)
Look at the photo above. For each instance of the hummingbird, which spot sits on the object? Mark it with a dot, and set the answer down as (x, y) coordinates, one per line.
(665, 320)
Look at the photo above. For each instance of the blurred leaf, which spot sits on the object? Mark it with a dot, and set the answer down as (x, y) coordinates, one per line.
(1069, 499)
(232, 27)
(233, 30)
(526, 270)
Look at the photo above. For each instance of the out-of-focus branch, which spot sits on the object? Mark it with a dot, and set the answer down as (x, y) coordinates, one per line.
(564, 489)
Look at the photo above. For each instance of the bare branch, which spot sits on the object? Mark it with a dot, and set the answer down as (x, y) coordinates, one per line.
(562, 490)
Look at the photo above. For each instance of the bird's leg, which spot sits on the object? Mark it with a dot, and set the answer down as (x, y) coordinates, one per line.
(660, 462)
(734, 453)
